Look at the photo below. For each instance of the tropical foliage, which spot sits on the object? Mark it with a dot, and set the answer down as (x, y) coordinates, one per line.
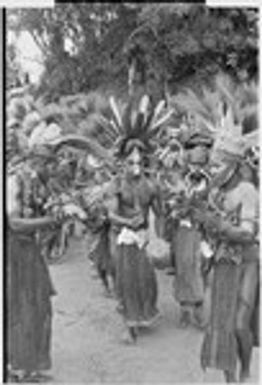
(95, 45)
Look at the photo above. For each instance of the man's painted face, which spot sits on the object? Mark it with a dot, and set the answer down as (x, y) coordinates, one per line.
(198, 155)
(134, 163)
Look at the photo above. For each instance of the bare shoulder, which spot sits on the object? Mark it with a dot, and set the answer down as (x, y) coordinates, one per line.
(248, 196)
(112, 186)
(152, 185)
(247, 190)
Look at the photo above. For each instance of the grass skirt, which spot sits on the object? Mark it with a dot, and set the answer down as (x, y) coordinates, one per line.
(136, 286)
(29, 310)
(219, 348)
(233, 284)
(189, 283)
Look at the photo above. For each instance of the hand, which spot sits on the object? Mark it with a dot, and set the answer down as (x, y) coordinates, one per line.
(174, 214)
(211, 219)
(136, 221)
(212, 223)
(54, 223)
(199, 216)
(58, 217)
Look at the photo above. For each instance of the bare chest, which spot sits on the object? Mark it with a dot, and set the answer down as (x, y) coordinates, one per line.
(135, 197)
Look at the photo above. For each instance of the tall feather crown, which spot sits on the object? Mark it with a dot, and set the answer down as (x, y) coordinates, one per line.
(135, 124)
(228, 114)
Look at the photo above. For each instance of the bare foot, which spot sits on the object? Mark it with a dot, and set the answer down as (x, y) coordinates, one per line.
(133, 332)
(198, 319)
(244, 376)
(129, 336)
(229, 377)
(108, 293)
(184, 320)
(37, 377)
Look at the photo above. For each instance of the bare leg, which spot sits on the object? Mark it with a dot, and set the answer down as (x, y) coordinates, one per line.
(185, 312)
(229, 377)
(133, 332)
(244, 313)
(245, 341)
(130, 335)
(199, 320)
(104, 278)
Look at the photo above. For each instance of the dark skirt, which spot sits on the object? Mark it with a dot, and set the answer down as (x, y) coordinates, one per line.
(29, 310)
(136, 286)
(232, 284)
(188, 283)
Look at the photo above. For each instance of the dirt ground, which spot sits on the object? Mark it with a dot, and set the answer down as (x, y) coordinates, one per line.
(87, 330)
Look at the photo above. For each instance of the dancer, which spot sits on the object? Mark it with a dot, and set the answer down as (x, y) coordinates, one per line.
(131, 194)
(189, 281)
(136, 283)
(235, 285)
(128, 211)
(29, 287)
(232, 330)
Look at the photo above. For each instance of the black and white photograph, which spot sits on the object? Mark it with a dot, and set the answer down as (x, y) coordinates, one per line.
(131, 193)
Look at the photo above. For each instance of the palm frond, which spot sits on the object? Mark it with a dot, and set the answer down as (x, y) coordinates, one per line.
(188, 101)
(87, 144)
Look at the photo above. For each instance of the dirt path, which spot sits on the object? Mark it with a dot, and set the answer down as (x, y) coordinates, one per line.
(87, 330)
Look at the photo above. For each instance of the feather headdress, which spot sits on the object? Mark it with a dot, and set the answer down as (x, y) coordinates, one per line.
(138, 123)
(238, 130)
(135, 124)
(227, 114)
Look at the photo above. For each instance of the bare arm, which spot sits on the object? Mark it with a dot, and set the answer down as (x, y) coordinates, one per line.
(157, 208)
(113, 216)
(242, 234)
(246, 230)
(118, 219)
(30, 224)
